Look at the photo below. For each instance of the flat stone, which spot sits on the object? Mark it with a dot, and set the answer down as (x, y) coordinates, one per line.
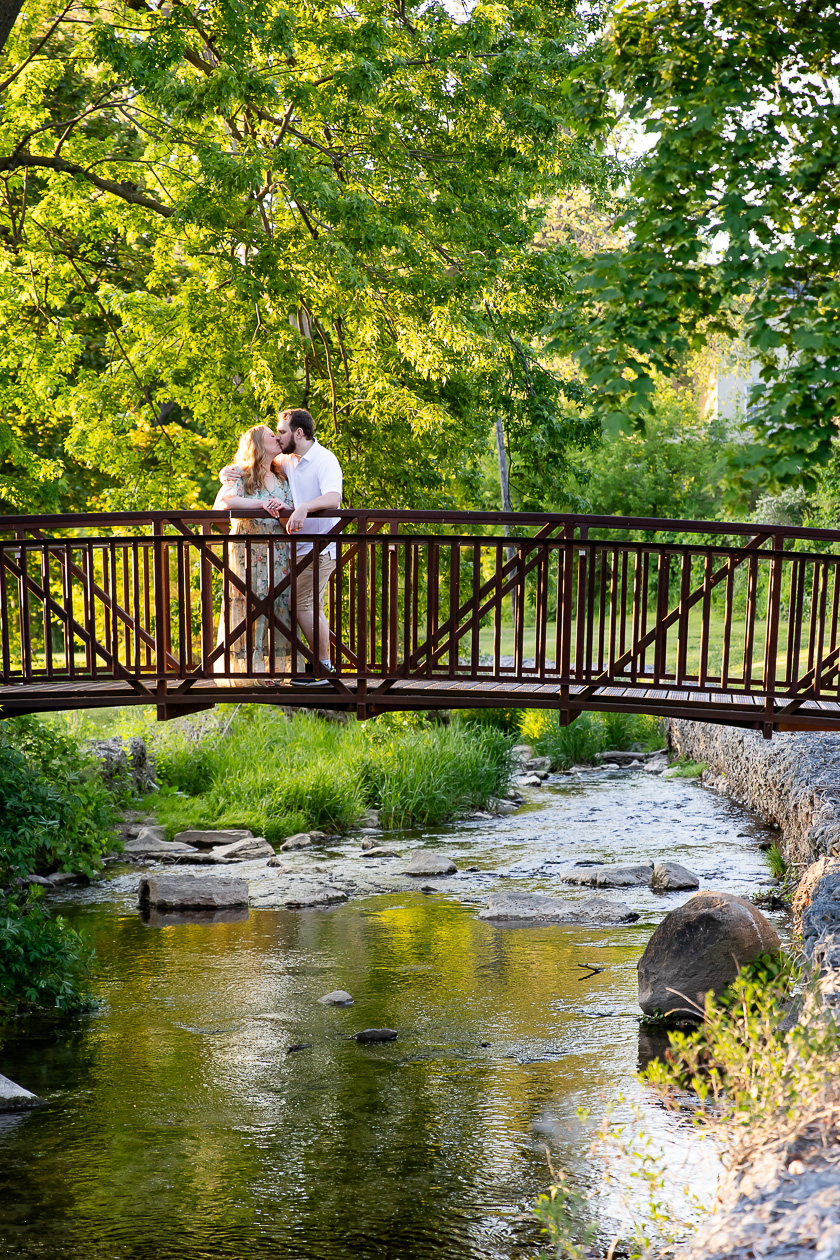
(157, 848)
(622, 756)
(211, 839)
(66, 877)
(527, 780)
(424, 862)
(244, 850)
(380, 851)
(338, 997)
(296, 894)
(524, 907)
(671, 877)
(698, 949)
(191, 892)
(538, 763)
(15, 1098)
(611, 876)
(43, 880)
(300, 840)
(368, 1035)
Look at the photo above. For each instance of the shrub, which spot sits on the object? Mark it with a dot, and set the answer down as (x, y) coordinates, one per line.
(47, 779)
(43, 961)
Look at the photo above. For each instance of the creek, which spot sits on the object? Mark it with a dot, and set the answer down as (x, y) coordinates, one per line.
(179, 1126)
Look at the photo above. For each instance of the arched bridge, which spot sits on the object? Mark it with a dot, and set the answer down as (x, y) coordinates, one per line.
(724, 623)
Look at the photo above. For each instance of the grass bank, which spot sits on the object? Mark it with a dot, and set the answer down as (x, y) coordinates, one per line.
(590, 734)
(257, 768)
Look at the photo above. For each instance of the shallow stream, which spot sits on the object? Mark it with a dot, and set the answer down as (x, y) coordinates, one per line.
(180, 1126)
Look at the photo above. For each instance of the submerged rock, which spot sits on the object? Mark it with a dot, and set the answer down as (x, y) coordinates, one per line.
(611, 876)
(15, 1098)
(296, 894)
(671, 877)
(425, 863)
(699, 948)
(338, 997)
(191, 892)
(525, 907)
(368, 1035)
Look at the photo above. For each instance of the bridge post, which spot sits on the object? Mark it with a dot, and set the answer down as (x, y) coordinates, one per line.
(771, 641)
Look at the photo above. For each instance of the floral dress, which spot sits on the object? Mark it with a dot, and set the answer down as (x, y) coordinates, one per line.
(233, 601)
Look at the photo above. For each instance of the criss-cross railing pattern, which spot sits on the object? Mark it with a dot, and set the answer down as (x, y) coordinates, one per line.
(728, 622)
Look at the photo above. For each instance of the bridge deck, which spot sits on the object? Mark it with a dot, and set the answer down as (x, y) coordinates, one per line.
(394, 695)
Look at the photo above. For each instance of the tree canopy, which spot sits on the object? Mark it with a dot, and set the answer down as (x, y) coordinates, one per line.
(210, 210)
(733, 216)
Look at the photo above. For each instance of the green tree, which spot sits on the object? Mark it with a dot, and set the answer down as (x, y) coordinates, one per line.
(732, 215)
(209, 211)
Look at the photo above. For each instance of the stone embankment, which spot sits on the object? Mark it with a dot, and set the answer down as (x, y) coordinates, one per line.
(781, 1200)
(791, 781)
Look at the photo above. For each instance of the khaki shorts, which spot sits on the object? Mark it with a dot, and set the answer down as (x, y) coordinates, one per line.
(326, 568)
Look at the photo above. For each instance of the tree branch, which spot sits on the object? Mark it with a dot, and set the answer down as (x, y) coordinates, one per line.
(3, 37)
(128, 192)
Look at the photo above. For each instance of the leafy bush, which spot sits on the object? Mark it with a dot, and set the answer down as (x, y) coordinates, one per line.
(51, 789)
(55, 813)
(506, 720)
(43, 961)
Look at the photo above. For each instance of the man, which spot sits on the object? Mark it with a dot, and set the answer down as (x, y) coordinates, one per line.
(316, 481)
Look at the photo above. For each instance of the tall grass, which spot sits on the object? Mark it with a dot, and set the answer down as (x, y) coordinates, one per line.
(589, 735)
(277, 775)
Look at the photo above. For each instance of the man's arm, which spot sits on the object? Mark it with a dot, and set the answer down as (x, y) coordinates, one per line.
(332, 499)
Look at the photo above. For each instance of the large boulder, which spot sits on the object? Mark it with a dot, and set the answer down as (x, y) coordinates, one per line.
(191, 892)
(699, 948)
(124, 763)
(525, 907)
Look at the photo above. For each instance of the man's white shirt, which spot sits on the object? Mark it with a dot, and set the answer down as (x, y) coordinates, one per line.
(311, 475)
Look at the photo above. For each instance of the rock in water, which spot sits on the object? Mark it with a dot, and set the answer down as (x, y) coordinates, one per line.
(612, 876)
(209, 839)
(700, 948)
(524, 907)
(192, 892)
(671, 877)
(424, 863)
(368, 1035)
(243, 850)
(338, 997)
(300, 840)
(15, 1098)
(295, 892)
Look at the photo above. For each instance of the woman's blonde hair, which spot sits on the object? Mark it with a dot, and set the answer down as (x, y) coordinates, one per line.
(249, 457)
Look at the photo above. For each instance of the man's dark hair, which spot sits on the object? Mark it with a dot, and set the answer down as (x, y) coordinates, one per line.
(299, 418)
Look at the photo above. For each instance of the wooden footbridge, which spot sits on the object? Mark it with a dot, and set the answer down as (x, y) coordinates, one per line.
(726, 623)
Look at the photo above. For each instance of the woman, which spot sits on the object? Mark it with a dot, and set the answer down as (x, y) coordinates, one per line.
(260, 482)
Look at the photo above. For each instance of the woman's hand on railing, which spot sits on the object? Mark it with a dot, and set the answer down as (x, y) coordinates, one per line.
(274, 507)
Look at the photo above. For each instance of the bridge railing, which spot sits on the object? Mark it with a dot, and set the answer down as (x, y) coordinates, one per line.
(174, 598)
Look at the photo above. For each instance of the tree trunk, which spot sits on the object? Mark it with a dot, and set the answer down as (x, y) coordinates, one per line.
(9, 10)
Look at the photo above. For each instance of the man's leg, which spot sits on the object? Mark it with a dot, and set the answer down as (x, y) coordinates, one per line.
(306, 612)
